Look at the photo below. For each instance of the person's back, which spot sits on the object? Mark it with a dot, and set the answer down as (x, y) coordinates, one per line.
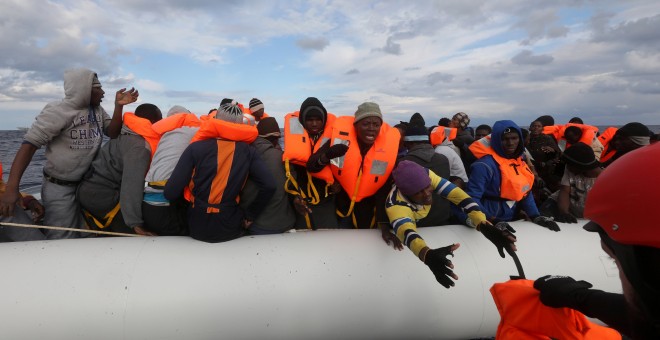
(160, 215)
(278, 215)
(217, 164)
(111, 192)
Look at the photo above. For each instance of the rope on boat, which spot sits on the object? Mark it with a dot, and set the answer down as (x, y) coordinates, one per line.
(20, 225)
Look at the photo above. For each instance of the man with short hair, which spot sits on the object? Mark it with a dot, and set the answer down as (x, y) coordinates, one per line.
(72, 132)
(482, 131)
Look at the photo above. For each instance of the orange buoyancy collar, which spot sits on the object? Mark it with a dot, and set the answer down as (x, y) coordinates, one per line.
(144, 128)
(360, 177)
(440, 133)
(557, 131)
(298, 145)
(176, 121)
(217, 128)
(605, 138)
(524, 316)
(516, 177)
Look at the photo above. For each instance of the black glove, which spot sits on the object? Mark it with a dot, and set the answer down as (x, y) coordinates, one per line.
(562, 291)
(546, 222)
(437, 260)
(336, 150)
(498, 234)
(565, 218)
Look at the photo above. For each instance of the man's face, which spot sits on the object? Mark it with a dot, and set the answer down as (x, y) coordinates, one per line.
(510, 142)
(536, 128)
(367, 129)
(424, 197)
(455, 123)
(481, 133)
(313, 125)
(97, 96)
(571, 138)
(258, 114)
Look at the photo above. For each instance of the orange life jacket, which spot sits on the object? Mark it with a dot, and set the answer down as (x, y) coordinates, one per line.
(516, 177)
(217, 128)
(605, 138)
(557, 131)
(142, 127)
(298, 145)
(360, 177)
(524, 316)
(439, 133)
(176, 121)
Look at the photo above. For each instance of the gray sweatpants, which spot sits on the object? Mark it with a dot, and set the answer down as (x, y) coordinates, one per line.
(62, 210)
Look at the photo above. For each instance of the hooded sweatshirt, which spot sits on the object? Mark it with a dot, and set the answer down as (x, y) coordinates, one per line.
(71, 129)
(485, 181)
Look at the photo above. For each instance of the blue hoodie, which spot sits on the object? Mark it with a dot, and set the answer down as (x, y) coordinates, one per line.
(485, 181)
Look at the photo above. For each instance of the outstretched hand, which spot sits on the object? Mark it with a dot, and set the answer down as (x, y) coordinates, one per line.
(124, 97)
(441, 266)
(501, 234)
(562, 291)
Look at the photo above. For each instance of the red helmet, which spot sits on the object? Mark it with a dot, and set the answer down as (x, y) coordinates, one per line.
(626, 197)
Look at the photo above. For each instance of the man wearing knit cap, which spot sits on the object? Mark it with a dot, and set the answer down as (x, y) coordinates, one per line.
(420, 151)
(218, 163)
(629, 137)
(363, 154)
(277, 216)
(313, 196)
(582, 169)
(461, 121)
(410, 201)
(257, 109)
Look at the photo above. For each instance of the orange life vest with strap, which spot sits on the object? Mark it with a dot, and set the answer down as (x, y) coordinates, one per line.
(605, 138)
(524, 316)
(557, 131)
(144, 128)
(440, 133)
(298, 144)
(176, 121)
(362, 177)
(516, 177)
(217, 128)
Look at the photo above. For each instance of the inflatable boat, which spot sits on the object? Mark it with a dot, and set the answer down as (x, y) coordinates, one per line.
(324, 284)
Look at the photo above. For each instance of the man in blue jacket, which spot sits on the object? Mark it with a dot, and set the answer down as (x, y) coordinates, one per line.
(500, 180)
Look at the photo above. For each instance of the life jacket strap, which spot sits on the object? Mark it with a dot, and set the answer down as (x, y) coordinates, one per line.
(109, 217)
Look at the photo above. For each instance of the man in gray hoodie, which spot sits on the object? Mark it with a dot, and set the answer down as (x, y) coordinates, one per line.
(72, 131)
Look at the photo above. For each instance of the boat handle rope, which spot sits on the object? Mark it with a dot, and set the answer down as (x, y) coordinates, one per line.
(20, 225)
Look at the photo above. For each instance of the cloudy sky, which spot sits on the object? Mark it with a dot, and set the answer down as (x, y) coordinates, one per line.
(505, 59)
